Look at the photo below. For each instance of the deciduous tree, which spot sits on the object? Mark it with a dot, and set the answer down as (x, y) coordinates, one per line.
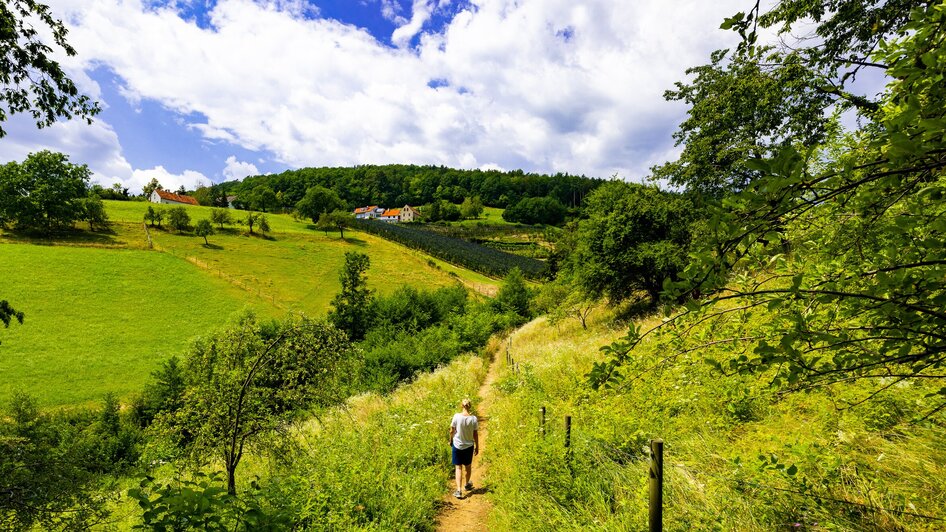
(45, 192)
(351, 308)
(221, 217)
(318, 201)
(93, 211)
(204, 229)
(31, 80)
(150, 187)
(633, 238)
(178, 219)
(247, 382)
(337, 220)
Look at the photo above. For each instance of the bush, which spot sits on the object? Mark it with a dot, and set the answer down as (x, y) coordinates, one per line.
(514, 296)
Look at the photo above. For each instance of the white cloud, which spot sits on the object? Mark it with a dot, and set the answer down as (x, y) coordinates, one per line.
(238, 170)
(391, 10)
(421, 14)
(189, 179)
(544, 85)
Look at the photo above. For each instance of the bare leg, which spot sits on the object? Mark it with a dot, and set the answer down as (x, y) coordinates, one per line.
(459, 477)
(469, 473)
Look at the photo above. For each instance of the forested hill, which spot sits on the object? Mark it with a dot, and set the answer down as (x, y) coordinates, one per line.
(397, 184)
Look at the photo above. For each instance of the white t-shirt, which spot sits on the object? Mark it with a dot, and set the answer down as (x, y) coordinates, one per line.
(464, 426)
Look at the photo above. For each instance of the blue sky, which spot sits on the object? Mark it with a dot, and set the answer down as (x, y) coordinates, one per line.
(198, 91)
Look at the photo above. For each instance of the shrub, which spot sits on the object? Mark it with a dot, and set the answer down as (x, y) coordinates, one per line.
(178, 219)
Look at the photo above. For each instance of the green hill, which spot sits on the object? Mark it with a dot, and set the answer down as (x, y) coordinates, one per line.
(102, 310)
(737, 455)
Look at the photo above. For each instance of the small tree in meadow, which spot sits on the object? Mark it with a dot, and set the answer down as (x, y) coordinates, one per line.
(154, 216)
(204, 229)
(221, 217)
(336, 220)
(93, 211)
(178, 219)
(258, 220)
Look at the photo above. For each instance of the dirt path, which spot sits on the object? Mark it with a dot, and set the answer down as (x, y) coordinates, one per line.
(472, 511)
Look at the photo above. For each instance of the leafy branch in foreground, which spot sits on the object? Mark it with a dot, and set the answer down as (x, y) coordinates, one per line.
(845, 242)
(30, 80)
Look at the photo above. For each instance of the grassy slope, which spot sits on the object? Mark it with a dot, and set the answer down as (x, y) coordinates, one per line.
(378, 463)
(102, 311)
(93, 324)
(870, 455)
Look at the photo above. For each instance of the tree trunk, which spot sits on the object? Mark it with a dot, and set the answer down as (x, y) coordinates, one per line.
(231, 478)
(205, 241)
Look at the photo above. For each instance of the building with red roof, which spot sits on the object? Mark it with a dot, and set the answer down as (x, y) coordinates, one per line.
(170, 198)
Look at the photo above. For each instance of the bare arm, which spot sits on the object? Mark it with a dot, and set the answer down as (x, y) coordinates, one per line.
(476, 442)
(453, 432)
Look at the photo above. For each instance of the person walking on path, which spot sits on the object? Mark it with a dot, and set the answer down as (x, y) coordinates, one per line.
(465, 442)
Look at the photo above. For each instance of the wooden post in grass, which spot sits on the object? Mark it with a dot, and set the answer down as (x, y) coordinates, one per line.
(542, 421)
(656, 485)
(568, 444)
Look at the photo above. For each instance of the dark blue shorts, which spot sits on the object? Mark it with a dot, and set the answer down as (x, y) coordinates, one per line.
(462, 456)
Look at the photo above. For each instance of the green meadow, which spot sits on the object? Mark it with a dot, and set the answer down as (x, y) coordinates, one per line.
(103, 310)
(99, 320)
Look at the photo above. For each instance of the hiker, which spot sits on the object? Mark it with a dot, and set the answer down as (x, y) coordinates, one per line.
(465, 442)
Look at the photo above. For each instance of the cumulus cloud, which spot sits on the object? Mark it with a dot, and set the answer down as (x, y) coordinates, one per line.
(237, 169)
(189, 179)
(421, 12)
(543, 85)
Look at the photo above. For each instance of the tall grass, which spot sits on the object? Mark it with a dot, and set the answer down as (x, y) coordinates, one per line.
(380, 463)
(715, 429)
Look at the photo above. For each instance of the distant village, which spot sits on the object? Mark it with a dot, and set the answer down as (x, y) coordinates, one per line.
(404, 214)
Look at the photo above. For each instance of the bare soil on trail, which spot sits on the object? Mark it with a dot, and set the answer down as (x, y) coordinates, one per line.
(471, 513)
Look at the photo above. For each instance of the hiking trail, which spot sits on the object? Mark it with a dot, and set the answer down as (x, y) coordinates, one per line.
(471, 513)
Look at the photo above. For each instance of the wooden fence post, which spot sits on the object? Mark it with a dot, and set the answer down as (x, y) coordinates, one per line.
(542, 421)
(656, 485)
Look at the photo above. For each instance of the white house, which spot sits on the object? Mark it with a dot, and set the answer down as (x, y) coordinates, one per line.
(408, 214)
(362, 213)
(163, 196)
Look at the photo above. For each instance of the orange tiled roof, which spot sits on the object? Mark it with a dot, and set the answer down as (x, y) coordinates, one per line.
(170, 196)
(362, 210)
(392, 212)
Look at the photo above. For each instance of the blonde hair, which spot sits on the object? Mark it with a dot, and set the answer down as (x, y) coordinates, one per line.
(466, 404)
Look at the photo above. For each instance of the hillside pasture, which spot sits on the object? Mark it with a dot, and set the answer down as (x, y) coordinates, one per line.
(100, 320)
(102, 310)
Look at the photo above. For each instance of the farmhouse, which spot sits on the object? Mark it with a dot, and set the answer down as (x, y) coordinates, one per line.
(371, 212)
(163, 196)
(404, 214)
(390, 215)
